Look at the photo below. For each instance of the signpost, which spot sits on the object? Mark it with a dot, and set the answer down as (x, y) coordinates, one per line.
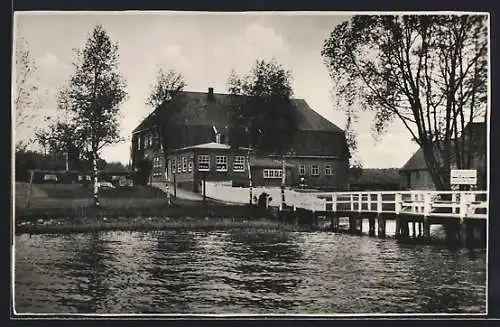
(463, 177)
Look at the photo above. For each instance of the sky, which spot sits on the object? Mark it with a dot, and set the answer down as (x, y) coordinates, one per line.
(204, 48)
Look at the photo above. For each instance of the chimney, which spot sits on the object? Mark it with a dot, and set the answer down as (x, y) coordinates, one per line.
(211, 93)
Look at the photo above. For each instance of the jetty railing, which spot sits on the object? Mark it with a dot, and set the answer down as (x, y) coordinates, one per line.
(453, 204)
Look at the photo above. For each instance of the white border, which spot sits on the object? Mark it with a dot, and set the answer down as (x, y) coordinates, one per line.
(58, 316)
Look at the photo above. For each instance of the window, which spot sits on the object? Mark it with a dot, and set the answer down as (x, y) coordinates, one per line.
(315, 170)
(179, 165)
(157, 166)
(184, 164)
(138, 142)
(328, 170)
(203, 162)
(190, 164)
(174, 165)
(148, 142)
(221, 163)
(272, 173)
(239, 164)
(302, 170)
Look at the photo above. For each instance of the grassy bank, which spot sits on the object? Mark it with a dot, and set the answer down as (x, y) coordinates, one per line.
(149, 224)
(69, 208)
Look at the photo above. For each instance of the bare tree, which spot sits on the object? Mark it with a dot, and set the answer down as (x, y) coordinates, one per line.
(26, 97)
(166, 87)
(428, 71)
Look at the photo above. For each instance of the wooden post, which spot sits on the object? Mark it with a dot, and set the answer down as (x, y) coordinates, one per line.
(352, 224)
(335, 223)
(371, 222)
(405, 227)
(204, 189)
(427, 211)
(414, 229)
(427, 227)
(419, 229)
(28, 200)
(381, 225)
(398, 226)
(359, 225)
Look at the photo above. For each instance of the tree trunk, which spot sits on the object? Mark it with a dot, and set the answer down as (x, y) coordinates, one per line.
(283, 180)
(95, 184)
(249, 177)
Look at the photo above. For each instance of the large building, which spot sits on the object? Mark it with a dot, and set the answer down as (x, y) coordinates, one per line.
(415, 175)
(199, 147)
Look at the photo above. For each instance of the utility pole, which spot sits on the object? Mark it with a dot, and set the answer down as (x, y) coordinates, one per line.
(167, 175)
(67, 159)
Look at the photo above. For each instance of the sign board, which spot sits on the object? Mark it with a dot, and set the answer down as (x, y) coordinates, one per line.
(463, 177)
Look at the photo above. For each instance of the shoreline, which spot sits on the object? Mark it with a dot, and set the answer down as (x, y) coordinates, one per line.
(145, 218)
(63, 226)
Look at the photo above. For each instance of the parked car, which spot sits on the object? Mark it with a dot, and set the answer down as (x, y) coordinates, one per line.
(50, 178)
(105, 185)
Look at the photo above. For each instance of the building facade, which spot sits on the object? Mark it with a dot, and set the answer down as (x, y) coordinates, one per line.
(318, 151)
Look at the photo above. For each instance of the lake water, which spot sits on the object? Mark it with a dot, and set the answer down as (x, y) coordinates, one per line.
(233, 272)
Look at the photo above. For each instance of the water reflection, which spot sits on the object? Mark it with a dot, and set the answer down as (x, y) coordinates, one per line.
(87, 267)
(172, 264)
(243, 272)
(265, 263)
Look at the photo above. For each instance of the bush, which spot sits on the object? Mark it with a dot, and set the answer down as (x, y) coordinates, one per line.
(144, 168)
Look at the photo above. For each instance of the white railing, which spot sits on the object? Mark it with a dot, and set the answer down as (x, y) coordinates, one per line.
(458, 204)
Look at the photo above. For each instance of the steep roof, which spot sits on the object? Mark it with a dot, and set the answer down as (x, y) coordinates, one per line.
(416, 161)
(198, 109)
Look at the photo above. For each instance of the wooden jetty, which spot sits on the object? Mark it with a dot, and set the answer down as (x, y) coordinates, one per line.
(464, 214)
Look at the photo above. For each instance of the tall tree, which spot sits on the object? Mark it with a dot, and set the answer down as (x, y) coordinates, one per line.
(26, 97)
(94, 94)
(428, 71)
(165, 89)
(167, 85)
(262, 110)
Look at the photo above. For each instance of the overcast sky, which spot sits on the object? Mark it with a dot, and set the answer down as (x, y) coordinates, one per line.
(204, 48)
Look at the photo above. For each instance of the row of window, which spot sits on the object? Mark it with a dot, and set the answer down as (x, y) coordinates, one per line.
(315, 170)
(273, 173)
(185, 164)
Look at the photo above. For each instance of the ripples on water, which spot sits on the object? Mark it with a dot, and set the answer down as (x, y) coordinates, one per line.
(238, 273)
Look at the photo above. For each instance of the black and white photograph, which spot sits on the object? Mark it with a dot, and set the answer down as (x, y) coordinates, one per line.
(250, 164)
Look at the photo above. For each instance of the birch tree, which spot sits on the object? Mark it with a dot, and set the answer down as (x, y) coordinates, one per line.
(26, 90)
(430, 72)
(94, 95)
